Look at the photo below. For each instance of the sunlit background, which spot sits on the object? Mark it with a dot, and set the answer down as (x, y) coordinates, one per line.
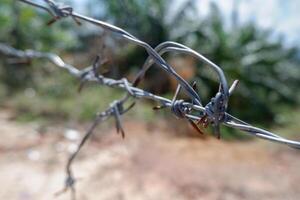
(43, 116)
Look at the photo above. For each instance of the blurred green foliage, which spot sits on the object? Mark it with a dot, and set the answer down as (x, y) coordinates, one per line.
(268, 71)
(24, 27)
(58, 98)
(146, 20)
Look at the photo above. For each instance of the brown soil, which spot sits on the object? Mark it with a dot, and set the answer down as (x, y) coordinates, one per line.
(147, 165)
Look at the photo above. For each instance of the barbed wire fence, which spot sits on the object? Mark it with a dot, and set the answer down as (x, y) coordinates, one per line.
(193, 111)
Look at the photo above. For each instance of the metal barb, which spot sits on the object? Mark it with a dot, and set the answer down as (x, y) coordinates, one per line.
(214, 113)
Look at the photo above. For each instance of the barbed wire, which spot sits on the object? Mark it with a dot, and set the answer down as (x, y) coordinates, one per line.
(214, 113)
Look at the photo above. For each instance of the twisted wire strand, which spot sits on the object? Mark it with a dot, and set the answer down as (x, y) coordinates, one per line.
(88, 75)
(177, 107)
(62, 12)
(214, 113)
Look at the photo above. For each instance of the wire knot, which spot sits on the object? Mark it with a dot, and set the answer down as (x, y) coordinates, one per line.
(178, 108)
(60, 11)
(215, 109)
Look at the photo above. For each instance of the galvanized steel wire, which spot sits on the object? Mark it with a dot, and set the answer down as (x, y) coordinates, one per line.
(214, 113)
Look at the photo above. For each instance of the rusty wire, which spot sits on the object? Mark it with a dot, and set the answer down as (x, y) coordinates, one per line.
(214, 113)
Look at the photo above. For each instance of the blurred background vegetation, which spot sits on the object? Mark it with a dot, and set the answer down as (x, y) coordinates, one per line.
(269, 71)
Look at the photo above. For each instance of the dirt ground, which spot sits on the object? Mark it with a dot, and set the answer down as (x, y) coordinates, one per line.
(147, 165)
